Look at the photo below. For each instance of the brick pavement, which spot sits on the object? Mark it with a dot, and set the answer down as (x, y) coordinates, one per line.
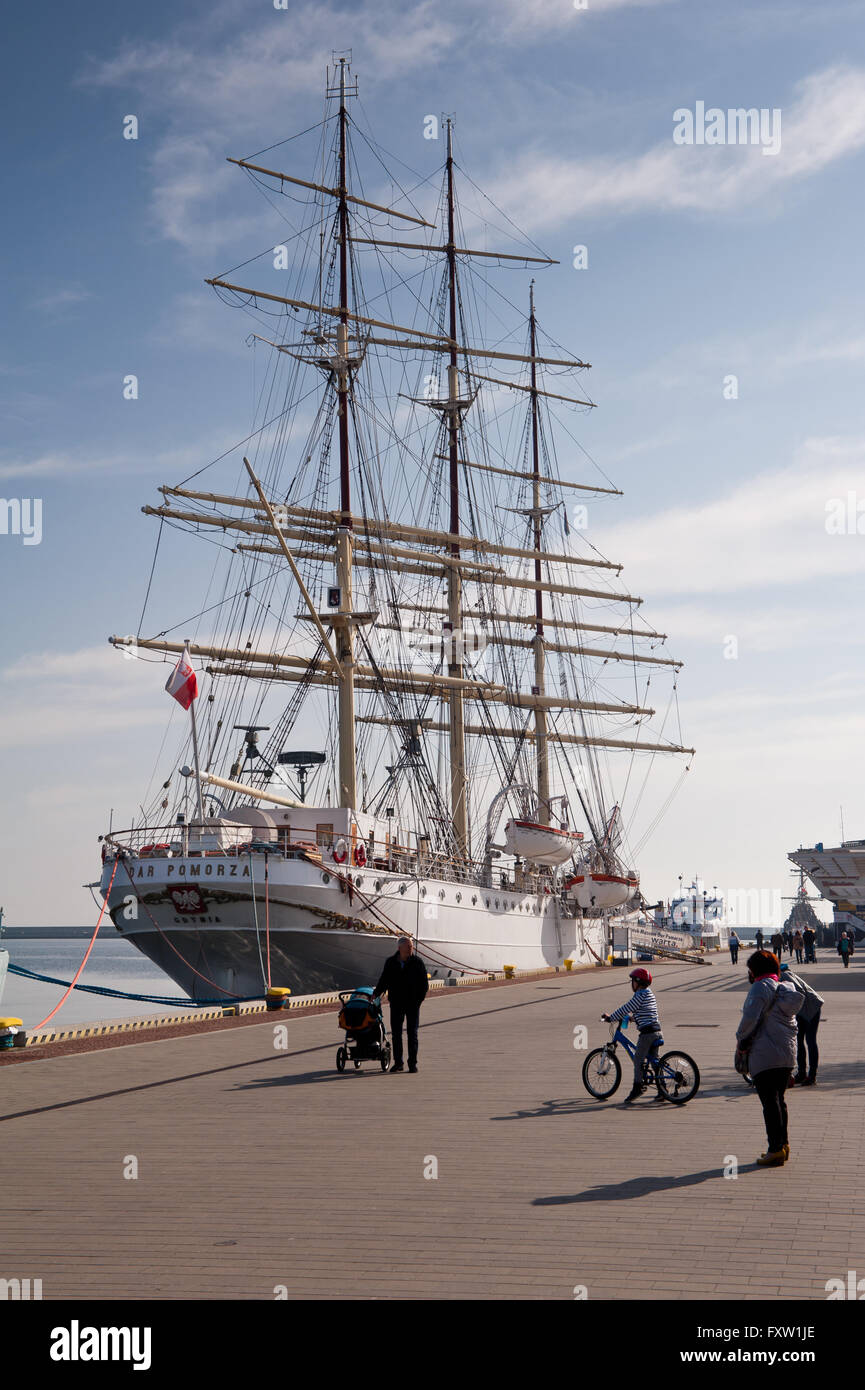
(262, 1168)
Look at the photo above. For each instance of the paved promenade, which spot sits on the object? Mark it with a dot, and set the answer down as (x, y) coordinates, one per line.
(261, 1168)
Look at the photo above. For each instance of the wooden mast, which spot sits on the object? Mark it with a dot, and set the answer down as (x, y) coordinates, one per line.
(541, 745)
(459, 785)
(343, 617)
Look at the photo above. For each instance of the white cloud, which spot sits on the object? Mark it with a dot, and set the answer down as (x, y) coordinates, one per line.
(56, 302)
(767, 531)
(824, 123)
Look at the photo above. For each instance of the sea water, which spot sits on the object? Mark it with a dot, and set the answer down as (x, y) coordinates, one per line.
(113, 962)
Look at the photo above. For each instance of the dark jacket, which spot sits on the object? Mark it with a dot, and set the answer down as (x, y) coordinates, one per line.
(812, 1001)
(404, 984)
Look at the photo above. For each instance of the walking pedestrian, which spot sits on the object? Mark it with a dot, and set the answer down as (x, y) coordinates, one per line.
(777, 944)
(759, 938)
(798, 946)
(734, 943)
(404, 978)
(844, 948)
(808, 1021)
(766, 1041)
(809, 936)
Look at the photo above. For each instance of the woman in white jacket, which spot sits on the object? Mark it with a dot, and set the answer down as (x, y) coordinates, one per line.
(767, 1032)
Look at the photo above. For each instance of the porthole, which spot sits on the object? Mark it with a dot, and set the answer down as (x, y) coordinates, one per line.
(379, 884)
(488, 902)
(442, 894)
(423, 890)
(497, 902)
(325, 878)
(358, 882)
(474, 899)
(402, 888)
(459, 897)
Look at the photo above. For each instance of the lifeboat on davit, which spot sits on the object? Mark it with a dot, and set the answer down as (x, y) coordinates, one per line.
(542, 844)
(601, 890)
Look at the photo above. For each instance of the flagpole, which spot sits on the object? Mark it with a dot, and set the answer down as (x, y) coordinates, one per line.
(195, 756)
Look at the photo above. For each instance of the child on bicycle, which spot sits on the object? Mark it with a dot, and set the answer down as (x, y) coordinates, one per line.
(643, 1008)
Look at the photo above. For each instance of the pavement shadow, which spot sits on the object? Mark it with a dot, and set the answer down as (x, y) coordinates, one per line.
(551, 1109)
(307, 1078)
(638, 1187)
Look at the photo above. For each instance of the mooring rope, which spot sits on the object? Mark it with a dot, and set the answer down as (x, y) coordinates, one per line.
(86, 953)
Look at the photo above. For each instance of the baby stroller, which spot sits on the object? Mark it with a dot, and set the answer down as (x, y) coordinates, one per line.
(366, 1037)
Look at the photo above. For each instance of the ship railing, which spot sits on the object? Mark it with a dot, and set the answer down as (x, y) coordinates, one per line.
(189, 840)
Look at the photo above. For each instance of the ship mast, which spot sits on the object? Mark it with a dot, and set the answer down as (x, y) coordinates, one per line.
(541, 745)
(344, 540)
(459, 786)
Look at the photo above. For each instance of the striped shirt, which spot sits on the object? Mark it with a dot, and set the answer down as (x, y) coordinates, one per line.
(642, 1007)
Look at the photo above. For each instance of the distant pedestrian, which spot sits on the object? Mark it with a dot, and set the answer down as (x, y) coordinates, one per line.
(845, 948)
(734, 943)
(798, 946)
(809, 936)
(808, 1021)
(777, 944)
(404, 978)
(766, 1038)
(759, 938)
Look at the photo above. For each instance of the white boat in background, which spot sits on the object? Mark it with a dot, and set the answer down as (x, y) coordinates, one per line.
(697, 913)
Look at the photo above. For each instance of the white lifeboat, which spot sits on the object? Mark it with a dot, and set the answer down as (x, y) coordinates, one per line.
(541, 844)
(602, 890)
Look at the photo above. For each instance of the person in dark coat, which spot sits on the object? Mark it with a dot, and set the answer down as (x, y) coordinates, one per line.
(808, 1021)
(759, 938)
(845, 948)
(809, 936)
(404, 980)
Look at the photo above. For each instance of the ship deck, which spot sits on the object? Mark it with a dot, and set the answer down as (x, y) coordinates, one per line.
(261, 1168)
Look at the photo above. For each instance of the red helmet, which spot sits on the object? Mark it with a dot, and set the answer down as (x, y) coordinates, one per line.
(641, 976)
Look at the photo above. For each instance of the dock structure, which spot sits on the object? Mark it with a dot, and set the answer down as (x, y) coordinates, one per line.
(238, 1164)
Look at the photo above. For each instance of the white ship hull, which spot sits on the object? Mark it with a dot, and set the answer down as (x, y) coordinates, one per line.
(208, 924)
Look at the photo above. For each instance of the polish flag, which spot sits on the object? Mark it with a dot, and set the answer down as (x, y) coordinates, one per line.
(183, 683)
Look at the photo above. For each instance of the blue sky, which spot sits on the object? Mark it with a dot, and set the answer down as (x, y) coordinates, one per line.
(703, 262)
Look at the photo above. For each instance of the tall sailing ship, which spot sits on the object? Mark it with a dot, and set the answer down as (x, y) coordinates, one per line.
(404, 589)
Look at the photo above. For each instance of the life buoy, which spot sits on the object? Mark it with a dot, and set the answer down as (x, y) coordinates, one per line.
(360, 854)
(340, 852)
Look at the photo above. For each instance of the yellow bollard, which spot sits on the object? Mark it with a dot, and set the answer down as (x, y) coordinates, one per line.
(9, 1028)
(569, 964)
(509, 971)
(277, 997)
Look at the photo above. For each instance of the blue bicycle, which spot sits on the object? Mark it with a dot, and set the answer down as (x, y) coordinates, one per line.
(676, 1075)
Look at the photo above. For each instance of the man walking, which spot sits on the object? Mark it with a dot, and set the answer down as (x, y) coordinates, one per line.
(734, 943)
(404, 979)
(844, 944)
(809, 936)
(777, 944)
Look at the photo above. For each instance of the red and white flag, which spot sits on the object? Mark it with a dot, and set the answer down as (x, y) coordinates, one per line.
(183, 682)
